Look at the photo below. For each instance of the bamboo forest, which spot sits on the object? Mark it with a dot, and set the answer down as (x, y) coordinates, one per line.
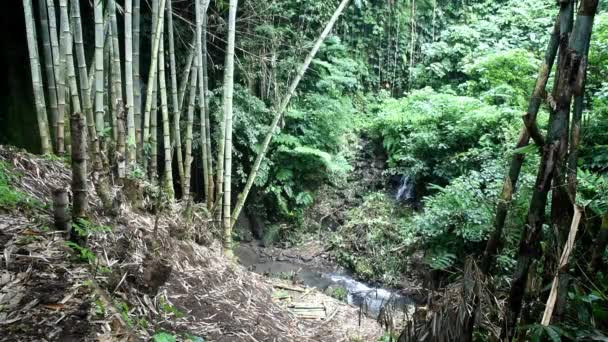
(304, 170)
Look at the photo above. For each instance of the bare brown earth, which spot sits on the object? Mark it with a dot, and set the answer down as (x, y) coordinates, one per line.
(139, 280)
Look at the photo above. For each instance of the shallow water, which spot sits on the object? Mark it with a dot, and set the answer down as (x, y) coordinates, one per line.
(369, 298)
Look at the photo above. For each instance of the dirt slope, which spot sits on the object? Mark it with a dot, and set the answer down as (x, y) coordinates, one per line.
(137, 278)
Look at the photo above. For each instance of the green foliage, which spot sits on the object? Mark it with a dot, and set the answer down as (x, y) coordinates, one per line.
(11, 198)
(170, 310)
(163, 336)
(339, 293)
(503, 77)
(592, 191)
(432, 135)
(123, 308)
(85, 227)
(84, 254)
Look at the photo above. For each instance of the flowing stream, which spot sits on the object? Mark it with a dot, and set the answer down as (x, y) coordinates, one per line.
(369, 298)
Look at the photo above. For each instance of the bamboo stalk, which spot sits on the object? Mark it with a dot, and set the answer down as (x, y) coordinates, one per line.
(176, 106)
(228, 94)
(137, 81)
(43, 126)
(279, 112)
(185, 76)
(177, 116)
(99, 43)
(82, 71)
(79, 165)
(211, 184)
(71, 70)
(189, 128)
(552, 157)
(117, 93)
(61, 78)
(50, 76)
(168, 172)
(200, 8)
(129, 75)
(158, 17)
(510, 181)
(154, 134)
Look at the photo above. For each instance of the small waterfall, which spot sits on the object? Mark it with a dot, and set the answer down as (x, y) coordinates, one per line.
(407, 189)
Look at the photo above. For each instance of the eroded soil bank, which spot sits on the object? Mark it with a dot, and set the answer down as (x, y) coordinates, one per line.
(140, 275)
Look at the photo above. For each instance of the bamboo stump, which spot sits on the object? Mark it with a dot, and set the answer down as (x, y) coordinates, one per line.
(60, 209)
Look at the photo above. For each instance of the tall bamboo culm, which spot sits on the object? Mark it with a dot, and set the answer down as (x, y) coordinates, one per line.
(82, 70)
(41, 115)
(162, 88)
(158, 20)
(64, 40)
(189, 128)
(50, 76)
(175, 105)
(228, 93)
(211, 185)
(117, 91)
(129, 75)
(137, 83)
(99, 88)
(200, 8)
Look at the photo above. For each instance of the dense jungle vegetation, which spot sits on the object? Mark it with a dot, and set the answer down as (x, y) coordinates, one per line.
(431, 93)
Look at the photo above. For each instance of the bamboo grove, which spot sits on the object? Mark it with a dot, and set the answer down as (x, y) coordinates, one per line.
(125, 124)
(113, 129)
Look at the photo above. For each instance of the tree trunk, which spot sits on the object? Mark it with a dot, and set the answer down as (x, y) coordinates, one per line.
(279, 112)
(43, 126)
(228, 92)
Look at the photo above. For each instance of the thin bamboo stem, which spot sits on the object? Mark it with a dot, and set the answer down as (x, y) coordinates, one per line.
(279, 112)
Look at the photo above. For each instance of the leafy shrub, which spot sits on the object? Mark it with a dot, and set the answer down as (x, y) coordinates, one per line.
(503, 77)
(11, 198)
(428, 134)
